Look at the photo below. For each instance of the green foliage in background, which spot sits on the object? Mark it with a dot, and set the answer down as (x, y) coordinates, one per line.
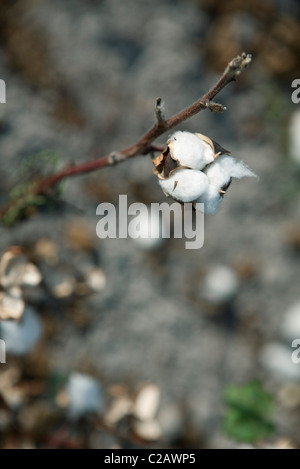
(38, 165)
(32, 169)
(249, 412)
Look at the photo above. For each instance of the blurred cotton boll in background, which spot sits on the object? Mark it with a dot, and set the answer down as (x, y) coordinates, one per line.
(145, 410)
(220, 285)
(152, 230)
(277, 360)
(147, 402)
(84, 395)
(21, 336)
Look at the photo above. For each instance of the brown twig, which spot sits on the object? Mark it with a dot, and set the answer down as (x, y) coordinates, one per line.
(144, 145)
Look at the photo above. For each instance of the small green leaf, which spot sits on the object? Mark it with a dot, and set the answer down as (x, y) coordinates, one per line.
(249, 412)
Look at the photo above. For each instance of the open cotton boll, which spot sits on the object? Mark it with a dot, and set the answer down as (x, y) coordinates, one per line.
(84, 395)
(190, 150)
(211, 199)
(21, 336)
(185, 185)
(226, 167)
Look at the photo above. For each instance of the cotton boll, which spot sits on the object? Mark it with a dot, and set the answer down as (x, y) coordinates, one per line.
(185, 185)
(20, 337)
(190, 150)
(224, 168)
(211, 199)
(84, 395)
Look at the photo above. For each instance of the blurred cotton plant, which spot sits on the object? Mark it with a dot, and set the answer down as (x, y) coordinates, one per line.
(194, 168)
(16, 273)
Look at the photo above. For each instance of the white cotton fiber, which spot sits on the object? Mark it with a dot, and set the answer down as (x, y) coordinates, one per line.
(190, 150)
(211, 199)
(226, 167)
(21, 336)
(185, 185)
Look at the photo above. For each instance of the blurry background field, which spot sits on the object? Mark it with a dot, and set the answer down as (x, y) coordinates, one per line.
(161, 334)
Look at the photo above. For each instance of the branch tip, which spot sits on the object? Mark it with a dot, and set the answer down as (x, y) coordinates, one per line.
(159, 111)
(237, 65)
